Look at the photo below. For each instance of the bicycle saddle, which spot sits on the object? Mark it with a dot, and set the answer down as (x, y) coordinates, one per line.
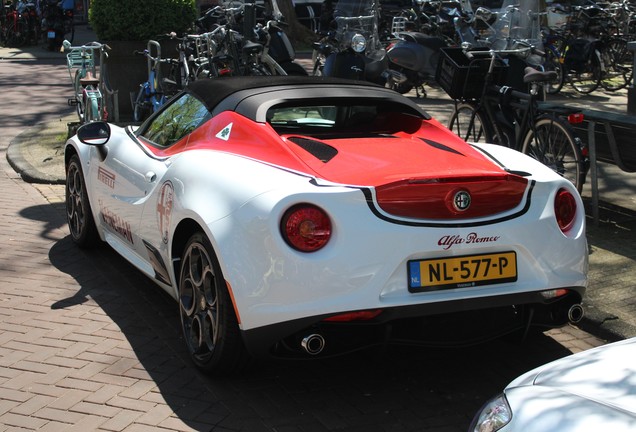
(532, 75)
(89, 80)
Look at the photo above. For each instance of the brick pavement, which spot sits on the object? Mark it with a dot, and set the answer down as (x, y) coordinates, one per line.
(87, 343)
(66, 358)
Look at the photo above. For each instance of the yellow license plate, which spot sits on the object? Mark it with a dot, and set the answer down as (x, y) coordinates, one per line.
(462, 271)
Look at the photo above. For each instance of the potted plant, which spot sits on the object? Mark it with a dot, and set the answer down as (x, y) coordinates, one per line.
(126, 26)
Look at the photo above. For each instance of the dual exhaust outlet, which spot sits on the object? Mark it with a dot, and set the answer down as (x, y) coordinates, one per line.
(314, 343)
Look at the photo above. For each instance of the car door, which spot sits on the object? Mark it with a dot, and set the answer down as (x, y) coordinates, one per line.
(133, 174)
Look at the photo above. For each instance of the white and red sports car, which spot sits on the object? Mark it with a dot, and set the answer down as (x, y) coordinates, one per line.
(306, 217)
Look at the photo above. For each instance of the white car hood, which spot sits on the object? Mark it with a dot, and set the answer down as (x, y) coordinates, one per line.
(594, 390)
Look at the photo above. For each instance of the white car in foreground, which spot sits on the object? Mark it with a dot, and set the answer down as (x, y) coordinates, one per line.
(302, 217)
(591, 391)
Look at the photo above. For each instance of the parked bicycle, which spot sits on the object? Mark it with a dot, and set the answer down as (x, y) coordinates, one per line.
(487, 111)
(21, 25)
(150, 96)
(89, 85)
(588, 52)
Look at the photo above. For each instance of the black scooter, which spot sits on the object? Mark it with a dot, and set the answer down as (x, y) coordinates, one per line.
(351, 48)
(53, 24)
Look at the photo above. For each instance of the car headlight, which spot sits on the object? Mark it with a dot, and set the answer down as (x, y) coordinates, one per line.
(358, 43)
(494, 415)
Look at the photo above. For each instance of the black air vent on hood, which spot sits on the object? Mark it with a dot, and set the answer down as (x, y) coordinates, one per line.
(319, 149)
(440, 146)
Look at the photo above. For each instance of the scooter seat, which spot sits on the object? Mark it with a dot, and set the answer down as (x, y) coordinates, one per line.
(432, 42)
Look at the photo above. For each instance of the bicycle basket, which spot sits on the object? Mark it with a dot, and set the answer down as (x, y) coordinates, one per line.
(74, 59)
(462, 78)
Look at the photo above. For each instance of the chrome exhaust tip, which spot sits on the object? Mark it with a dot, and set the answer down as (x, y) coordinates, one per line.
(313, 344)
(575, 313)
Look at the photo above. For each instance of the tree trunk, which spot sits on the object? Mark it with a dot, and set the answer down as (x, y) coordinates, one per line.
(299, 35)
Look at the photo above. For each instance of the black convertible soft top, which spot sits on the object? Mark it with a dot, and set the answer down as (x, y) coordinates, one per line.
(213, 91)
(252, 95)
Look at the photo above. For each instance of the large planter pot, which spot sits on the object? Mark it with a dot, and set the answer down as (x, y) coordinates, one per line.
(127, 70)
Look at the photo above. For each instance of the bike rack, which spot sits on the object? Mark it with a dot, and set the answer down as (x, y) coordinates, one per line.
(608, 122)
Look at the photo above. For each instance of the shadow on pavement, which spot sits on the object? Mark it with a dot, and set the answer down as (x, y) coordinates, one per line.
(399, 388)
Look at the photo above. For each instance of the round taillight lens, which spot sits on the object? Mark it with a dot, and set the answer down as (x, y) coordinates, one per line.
(306, 227)
(564, 209)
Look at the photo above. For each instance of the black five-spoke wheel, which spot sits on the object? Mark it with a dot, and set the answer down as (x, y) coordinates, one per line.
(78, 210)
(208, 320)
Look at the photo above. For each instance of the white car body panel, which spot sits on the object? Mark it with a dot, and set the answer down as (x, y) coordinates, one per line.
(141, 201)
(275, 283)
(589, 391)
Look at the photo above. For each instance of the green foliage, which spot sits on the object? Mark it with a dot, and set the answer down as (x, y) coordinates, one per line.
(140, 20)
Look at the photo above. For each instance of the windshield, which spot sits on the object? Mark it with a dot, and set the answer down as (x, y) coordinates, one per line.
(357, 17)
(518, 21)
(355, 8)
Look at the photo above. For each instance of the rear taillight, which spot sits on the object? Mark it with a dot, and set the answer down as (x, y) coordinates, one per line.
(565, 209)
(306, 227)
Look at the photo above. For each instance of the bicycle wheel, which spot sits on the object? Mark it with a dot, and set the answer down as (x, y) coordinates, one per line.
(141, 107)
(469, 124)
(617, 65)
(110, 110)
(16, 34)
(589, 77)
(553, 143)
(79, 99)
(93, 102)
(90, 108)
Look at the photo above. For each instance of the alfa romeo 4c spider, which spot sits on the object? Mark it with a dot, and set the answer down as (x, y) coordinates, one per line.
(301, 217)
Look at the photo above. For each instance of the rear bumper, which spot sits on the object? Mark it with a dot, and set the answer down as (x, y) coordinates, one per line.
(452, 323)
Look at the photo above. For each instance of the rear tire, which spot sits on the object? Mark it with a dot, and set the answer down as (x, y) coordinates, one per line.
(208, 320)
(141, 107)
(589, 79)
(556, 146)
(617, 65)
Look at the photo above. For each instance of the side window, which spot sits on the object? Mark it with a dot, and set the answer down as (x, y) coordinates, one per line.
(177, 120)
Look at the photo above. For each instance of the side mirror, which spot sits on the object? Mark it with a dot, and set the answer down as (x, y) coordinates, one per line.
(95, 133)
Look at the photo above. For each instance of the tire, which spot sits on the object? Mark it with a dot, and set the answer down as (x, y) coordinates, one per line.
(79, 215)
(617, 65)
(589, 79)
(557, 147)
(141, 108)
(208, 321)
(106, 90)
(460, 124)
(16, 34)
(79, 106)
(92, 107)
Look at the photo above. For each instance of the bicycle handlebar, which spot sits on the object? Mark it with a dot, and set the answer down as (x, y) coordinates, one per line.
(91, 45)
